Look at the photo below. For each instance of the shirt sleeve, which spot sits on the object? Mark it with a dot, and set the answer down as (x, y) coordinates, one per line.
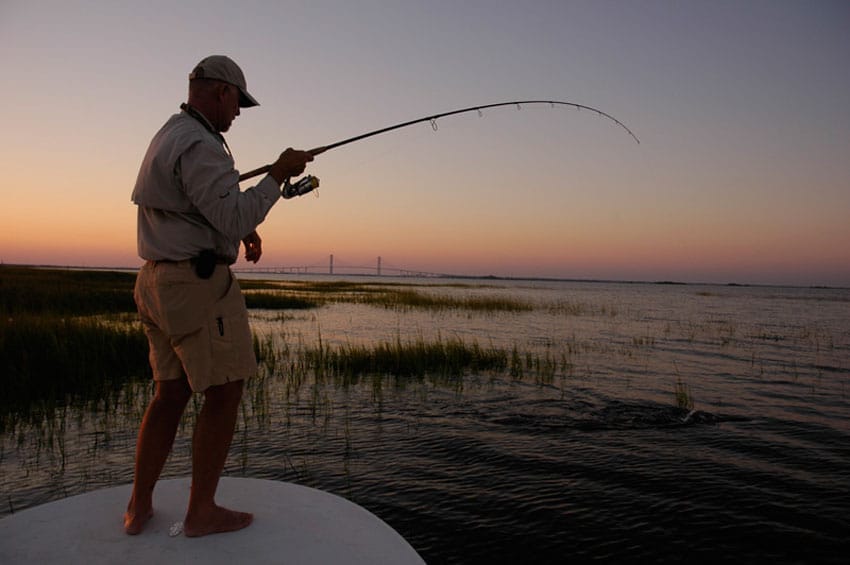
(212, 185)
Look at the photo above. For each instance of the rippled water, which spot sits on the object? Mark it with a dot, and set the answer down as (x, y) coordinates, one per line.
(594, 462)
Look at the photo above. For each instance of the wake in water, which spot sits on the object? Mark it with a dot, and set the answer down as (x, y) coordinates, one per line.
(624, 416)
(617, 415)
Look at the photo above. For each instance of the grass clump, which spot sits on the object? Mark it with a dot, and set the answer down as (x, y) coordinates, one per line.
(684, 399)
(277, 301)
(402, 299)
(449, 358)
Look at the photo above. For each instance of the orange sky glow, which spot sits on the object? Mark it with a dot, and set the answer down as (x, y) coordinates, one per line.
(736, 179)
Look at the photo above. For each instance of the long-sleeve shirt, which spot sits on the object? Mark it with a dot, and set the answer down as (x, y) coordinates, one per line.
(188, 195)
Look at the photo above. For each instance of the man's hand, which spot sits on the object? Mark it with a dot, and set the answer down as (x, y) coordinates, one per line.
(253, 246)
(291, 163)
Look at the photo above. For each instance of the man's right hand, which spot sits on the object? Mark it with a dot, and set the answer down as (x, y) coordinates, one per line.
(291, 163)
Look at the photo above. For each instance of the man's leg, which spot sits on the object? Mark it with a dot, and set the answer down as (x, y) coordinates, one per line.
(156, 436)
(210, 444)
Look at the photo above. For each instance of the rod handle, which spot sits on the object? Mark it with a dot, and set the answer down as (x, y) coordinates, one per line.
(254, 173)
(265, 168)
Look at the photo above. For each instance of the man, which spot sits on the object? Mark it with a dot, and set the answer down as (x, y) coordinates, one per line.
(191, 219)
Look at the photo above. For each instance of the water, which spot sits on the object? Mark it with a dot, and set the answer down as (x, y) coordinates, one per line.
(593, 461)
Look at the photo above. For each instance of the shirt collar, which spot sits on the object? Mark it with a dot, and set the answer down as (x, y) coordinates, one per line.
(195, 113)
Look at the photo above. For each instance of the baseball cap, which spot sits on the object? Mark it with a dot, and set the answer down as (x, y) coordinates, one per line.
(221, 67)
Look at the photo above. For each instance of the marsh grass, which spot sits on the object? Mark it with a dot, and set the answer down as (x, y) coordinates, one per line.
(446, 358)
(60, 341)
(27, 290)
(277, 301)
(684, 398)
(47, 362)
(330, 288)
(411, 299)
(71, 336)
(396, 296)
(337, 286)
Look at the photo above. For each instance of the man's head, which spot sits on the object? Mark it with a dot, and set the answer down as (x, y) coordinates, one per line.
(217, 88)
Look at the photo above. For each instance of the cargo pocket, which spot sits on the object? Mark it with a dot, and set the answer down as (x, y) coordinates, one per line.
(230, 337)
(182, 306)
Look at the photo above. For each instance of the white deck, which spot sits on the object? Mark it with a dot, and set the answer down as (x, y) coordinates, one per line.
(292, 524)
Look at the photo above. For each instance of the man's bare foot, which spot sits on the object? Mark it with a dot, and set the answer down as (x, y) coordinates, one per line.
(134, 522)
(215, 521)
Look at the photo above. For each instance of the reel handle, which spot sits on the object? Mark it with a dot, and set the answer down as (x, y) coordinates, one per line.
(301, 187)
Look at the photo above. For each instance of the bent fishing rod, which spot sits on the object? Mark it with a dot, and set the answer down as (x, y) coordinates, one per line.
(309, 183)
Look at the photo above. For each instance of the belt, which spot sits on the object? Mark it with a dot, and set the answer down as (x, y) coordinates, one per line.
(218, 261)
(204, 264)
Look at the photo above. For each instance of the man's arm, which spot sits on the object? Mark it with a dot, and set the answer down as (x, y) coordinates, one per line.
(212, 185)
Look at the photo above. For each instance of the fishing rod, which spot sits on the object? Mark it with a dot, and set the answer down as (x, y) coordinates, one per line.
(309, 183)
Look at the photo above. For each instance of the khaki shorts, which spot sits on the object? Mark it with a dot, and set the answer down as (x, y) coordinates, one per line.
(194, 326)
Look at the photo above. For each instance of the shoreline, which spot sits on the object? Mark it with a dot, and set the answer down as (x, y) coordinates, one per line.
(450, 276)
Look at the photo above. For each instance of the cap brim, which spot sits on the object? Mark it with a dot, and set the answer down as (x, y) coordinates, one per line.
(246, 100)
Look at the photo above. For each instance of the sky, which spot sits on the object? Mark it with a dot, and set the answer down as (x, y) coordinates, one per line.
(742, 174)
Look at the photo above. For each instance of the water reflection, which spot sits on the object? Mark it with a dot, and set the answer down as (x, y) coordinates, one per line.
(578, 447)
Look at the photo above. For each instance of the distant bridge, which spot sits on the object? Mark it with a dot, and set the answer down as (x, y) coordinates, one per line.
(332, 267)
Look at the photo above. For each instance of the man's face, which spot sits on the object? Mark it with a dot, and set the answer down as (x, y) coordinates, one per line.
(228, 106)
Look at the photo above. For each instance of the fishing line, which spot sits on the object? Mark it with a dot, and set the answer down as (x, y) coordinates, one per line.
(309, 183)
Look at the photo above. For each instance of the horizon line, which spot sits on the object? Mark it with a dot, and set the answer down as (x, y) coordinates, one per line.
(426, 274)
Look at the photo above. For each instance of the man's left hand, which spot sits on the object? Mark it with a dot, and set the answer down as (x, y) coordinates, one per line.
(253, 247)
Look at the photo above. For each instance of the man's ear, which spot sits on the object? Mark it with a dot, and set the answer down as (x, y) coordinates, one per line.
(220, 91)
